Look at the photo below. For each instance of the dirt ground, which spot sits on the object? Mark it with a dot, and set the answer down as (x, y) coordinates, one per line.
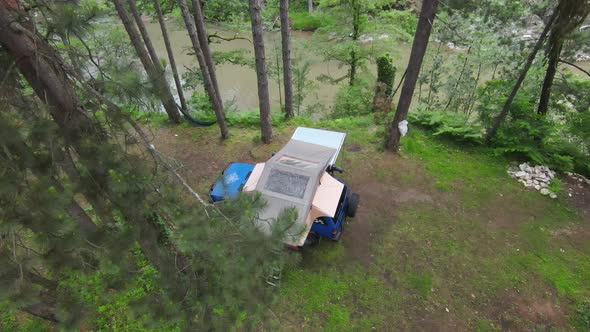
(203, 156)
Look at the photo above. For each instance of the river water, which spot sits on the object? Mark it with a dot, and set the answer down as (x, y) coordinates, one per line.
(238, 83)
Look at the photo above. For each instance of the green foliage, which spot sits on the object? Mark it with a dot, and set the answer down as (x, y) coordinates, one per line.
(7, 317)
(421, 283)
(402, 22)
(352, 100)
(112, 302)
(304, 21)
(340, 39)
(582, 317)
(555, 185)
(226, 10)
(386, 72)
(525, 133)
(451, 125)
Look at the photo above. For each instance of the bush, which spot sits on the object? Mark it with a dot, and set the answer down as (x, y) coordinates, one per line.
(403, 22)
(528, 135)
(451, 125)
(302, 20)
(354, 100)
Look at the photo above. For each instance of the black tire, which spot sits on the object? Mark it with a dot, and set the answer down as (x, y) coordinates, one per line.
(312, 240)
(353, 203)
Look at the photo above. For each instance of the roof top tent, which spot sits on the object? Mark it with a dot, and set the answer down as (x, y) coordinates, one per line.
(291, 179)
(327, 138)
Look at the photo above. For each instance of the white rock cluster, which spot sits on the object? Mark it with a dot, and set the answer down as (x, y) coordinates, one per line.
(578, 177)
(537, 177)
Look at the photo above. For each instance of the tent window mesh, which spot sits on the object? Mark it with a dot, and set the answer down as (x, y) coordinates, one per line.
(287, 183)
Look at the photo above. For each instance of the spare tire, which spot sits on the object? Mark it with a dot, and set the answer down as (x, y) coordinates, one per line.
(353, 203)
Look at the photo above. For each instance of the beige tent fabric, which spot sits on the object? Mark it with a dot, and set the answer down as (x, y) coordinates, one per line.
(250, 185)
(327, 196)
(290, 179)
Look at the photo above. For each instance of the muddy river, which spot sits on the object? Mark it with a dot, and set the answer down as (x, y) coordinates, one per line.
(238, 83)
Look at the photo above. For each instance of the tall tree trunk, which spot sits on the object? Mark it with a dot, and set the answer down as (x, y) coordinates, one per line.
(192, 32)
(549, 76)
(204, 40)
(310, 6)
(279, 76)
(156, 76)
(356, 31)
(170, 53)
(419, 46)
(286, 43)
(144, 35)
(261, 70)
(500, 118)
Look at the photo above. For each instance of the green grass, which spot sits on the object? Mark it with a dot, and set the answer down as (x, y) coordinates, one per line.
(455, 252)
(447, 256)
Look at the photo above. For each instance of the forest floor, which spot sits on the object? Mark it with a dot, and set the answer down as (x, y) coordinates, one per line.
(444, 239)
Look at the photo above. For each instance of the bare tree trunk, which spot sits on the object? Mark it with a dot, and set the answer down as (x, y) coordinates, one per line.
(356, 30)
(279, 76)
(170, 53)
(456, 85)
(419, 46)
(42, 310)
(261, 70)
(286, 43)
(144, 35)
(149, 64)
(548, 81)
(500, 118)
(310, 6)
(204, 40)
(192, 32)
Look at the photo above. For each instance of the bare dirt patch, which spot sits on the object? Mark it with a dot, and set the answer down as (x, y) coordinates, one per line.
(578, 195)
(514, 312)
(502, 214)
(381, 199)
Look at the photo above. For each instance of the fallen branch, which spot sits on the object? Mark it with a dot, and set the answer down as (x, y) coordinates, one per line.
(235, 37)
(575, 66)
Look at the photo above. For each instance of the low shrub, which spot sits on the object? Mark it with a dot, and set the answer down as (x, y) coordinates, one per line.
(526, 135)
(450, 125)
(304, 21)
(353, 100)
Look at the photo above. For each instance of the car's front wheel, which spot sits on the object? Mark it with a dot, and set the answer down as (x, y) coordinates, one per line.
(353, 203)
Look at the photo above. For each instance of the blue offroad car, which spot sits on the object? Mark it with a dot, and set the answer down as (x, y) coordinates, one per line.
(234, 177)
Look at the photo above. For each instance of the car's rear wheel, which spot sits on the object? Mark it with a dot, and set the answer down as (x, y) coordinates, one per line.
(353, 203)
(312, 239)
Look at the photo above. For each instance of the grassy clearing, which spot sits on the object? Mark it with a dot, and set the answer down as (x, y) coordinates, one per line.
(482, 256)
(481, 253)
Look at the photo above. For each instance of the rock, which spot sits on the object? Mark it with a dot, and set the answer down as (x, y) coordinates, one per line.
(545, 191)
(520, 174)
(523, 166)
(553, 196)
(537, 187)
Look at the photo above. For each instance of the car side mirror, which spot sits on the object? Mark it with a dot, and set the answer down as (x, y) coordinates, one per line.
(333, 168)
